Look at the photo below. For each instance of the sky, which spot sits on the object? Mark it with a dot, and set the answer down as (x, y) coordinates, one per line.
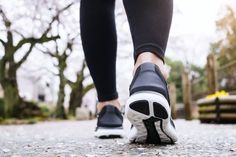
(194, 25)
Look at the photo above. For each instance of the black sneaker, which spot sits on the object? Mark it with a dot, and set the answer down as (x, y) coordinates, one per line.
(109, 123)
(148, 107)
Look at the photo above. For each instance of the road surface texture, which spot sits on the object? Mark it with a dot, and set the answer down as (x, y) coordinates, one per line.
(75, 139)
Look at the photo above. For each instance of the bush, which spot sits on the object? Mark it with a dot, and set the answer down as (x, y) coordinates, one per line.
(45, 111)
(1, 108)
(27, 110)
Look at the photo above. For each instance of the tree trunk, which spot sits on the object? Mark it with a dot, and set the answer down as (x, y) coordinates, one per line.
(172, 91)
(187, 96)
(60, 109)
(212, 74)
(11, 99)
(10, 88)
(75, 98)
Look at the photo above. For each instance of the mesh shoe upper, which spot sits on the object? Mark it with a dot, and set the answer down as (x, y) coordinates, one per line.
(110, 116)
(149, 78)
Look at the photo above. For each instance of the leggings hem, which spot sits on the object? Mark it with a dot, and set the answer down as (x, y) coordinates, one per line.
(107, 97)
(149, 47)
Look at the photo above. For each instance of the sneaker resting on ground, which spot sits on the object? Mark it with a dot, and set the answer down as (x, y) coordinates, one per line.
(109, 123)
(148, 107)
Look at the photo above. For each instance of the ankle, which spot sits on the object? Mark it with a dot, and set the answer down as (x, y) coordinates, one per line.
(102, 104)
(151, 58)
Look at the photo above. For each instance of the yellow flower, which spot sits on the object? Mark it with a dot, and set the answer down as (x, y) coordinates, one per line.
(218, 94)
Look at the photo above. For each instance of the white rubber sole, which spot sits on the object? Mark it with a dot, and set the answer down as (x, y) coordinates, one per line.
(150, 114)
(109, 133)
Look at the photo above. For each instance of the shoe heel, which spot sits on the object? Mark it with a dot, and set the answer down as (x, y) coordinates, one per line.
(149, 104)
(149, 112)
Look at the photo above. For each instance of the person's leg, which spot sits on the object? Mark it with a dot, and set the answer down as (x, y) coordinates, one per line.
(98, 33)
(148, 107)
(150, 57)
(150, 22)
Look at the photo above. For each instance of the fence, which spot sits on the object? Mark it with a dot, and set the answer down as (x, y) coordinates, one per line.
(221, 77)
(218, 77)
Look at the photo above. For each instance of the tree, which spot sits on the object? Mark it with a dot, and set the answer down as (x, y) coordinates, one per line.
(225, 48)
(67, 27)
(78, 90)
(197, 75)
(61, 57)
(177, 68)
(9, 66)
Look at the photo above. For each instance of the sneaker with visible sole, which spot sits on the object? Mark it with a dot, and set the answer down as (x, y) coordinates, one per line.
(148, 107)
(109, 123)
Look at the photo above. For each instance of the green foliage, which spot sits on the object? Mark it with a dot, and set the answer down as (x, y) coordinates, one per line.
(199, 82)
(30, 113)
(46, 113)
(226, 46)
(177, 69)
(1, 108)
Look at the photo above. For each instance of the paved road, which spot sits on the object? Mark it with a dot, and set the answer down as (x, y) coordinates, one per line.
(75, 139)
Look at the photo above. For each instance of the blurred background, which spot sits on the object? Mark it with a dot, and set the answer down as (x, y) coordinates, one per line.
(43, 74)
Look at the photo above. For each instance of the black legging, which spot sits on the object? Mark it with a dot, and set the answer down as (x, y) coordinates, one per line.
(149, 22)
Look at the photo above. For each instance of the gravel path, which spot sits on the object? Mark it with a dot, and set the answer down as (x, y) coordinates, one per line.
(75, 139)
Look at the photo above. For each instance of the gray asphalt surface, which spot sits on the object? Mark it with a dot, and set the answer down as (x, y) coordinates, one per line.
(75, 139)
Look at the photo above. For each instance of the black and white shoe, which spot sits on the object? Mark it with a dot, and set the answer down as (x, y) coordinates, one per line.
(109, 123)
(148, 107)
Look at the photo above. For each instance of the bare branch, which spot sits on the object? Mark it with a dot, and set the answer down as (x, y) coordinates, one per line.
(44, 37)
(87, 88)
(6, 21)
(65, 8)
(25, 56)
(68, 47)
(70, 83)
(57, 49)
(83, 65)
(73, 38)
(56, 17)
(3, 42)
(47, 52)
(80, 74)
(87, 76)
(17, 32)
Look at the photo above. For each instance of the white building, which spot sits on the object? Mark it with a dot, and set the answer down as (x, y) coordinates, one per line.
(35, 86)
